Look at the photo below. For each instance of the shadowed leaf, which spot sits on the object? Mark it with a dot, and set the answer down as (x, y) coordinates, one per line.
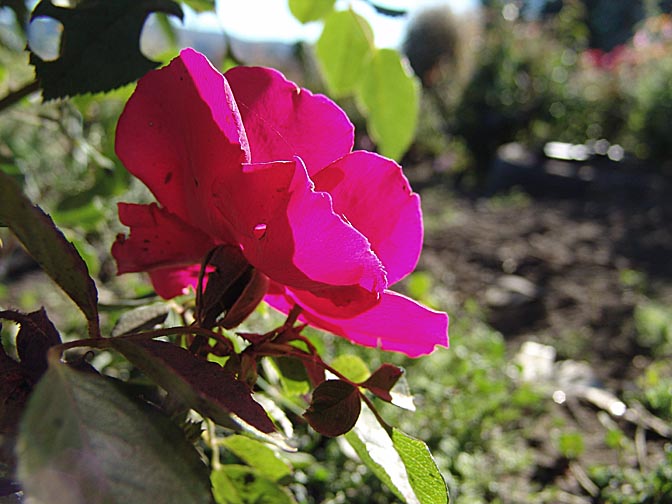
(47, 245)
(82, 439)
(334, 409)
(141, 318)
(100, 45)
(234, 288)
(202, 385)
(36, 336)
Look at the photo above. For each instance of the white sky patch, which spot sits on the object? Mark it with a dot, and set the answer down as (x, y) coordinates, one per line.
(271, 20)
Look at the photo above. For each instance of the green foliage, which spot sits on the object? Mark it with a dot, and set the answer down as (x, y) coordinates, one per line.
(352, 367)
(83, 438)
(570, 444)
(236, 484)
(656, 388)
(401, 462)
(200, 5)
(257, 455)
(385, 90)
(651, 110)
(653, 322)
(390, 97)
(633, 486)
(344, 50)
(310, 10)
(99, 47)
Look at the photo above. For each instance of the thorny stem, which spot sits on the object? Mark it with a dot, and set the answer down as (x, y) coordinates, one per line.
(15, 96)
(201, 276)
(315, 359)
(145, 335)
(211, 439)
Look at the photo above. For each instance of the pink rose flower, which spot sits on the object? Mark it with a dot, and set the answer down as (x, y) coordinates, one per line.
(250, 159)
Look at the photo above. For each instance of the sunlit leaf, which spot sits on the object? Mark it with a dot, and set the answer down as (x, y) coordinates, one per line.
(257, 455)
(47, 245)
(82, 439)
(352, 367)
(237, 484)
(310, 10)
(390, 95)
(344, 50)
(100, 45)
(426, 480)
(334, 408)
(400, 462)
(200, 5)
(202, 385)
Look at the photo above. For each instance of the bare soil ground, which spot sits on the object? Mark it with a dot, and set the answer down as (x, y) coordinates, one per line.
(557, 268)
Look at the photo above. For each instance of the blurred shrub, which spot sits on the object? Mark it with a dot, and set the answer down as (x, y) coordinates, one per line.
(517, 88)
(432, 42)
(647, 66)
(535, 81)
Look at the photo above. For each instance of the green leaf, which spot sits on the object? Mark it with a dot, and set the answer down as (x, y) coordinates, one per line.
(47, 245)
(202, 385)
(237, 484)
(425, 478)
(352, 367)
(402, 463)
(100, 45)
(310, 10)
(344, 50)
(293, 376)
(200, 5)
(257, 455)
(334, 409)
(82, 439)
(390, 95)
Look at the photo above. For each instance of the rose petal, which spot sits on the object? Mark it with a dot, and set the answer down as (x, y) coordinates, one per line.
(179, 133)
(290, 232)
(374, 195)
(158, 239)
(283, 120)
(397, 324)
(171, 282)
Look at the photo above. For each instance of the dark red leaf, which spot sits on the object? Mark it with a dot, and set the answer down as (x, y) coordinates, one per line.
(36, 336)
(334, 409)
(15, 386)
(382, 380)
(204, 386)
(234, 288)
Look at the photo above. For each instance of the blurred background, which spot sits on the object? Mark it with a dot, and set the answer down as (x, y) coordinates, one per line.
(543, 156)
